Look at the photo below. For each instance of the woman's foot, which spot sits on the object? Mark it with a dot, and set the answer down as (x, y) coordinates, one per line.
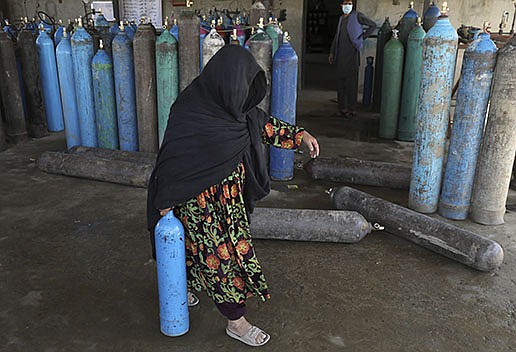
(242, 330)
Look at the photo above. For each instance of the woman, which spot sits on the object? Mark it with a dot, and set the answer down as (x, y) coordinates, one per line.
(211, 170)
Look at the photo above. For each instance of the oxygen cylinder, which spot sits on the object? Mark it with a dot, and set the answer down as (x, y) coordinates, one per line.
(220, 29)
(9, 30)
(11, 92)
(203, 32)
(234, 38)
(175, 30)
(167, 77)
(100, 21)
(171, 271)
(211, 44)
(240, 33)
(49, 81)
(430, 16)
(82, 53)
(279, 32)
(391, 87)
(283, 106)
(114, 29)
(260, 45)
(129, 30)
(271, 32)
(407, 24)
(384, 34)
(104, 94)
(125, 93)
(439, 57)
(368, 81)
(189, 50)
(497, 152)
(27, 54)
(144, 48)
(58, 34)
(411, 82)
(67, 87)
(468, 126)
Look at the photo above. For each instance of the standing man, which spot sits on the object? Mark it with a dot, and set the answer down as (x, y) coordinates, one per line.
(345, 53)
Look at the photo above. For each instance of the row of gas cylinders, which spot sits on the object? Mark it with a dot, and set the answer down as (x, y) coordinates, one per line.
(472, 177)
(121, 99)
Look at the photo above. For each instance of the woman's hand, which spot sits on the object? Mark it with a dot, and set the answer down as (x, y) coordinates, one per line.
(312, 144)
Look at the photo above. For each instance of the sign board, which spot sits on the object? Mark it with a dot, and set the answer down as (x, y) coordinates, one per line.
(136, 9)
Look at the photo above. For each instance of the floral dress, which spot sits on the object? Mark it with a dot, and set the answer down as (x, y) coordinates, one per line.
(220, 257)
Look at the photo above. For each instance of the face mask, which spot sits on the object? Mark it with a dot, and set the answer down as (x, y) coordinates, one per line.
(346, 9)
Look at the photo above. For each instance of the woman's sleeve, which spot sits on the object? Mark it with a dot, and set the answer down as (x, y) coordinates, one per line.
(281, 134)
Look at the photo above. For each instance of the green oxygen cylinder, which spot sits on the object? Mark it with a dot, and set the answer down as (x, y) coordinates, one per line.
(391, 86)
(384, 33)
(411, 81)
(167, 77)
(271, 32)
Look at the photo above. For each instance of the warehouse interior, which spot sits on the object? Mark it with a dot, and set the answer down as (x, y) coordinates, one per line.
(76, 271)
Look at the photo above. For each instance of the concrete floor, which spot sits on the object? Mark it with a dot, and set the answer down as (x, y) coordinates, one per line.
(76, 274)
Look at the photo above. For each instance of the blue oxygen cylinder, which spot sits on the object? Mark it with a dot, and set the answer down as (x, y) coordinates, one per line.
(430, 16)
(58, 35)
(125, 93)
(129, 30)
(82, 53)
(368, 81)
(49, 81)
(171, 267)
(439, 57)
(114, 29)
(283, 106)
(104, 94)
(175, 30)
(68, 97)
(468, 127)
(100, 21)
(9, 30)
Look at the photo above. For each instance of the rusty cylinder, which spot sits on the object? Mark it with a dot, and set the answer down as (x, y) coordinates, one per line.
(212, 43)
(144, 48)
(11, 92)
(96, 168)
(189, 48)
(436, 235)
(27, 53)
(496, 158)
(314, 225)
(260, 45)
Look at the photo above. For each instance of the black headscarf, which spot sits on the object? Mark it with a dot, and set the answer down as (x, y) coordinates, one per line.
(213, 126)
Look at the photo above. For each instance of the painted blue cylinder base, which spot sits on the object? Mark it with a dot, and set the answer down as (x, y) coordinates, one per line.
(282, 164)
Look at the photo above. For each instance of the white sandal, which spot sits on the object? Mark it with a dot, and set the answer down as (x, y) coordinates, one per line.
(249, 338)
(193, 300)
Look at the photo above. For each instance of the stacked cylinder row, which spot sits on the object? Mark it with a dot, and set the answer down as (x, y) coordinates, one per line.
(119, 96)
(472, 176)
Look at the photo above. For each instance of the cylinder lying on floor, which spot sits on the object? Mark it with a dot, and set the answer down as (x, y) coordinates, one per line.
(453, 242)
(113, 154)
(309, 225)
(359, 172)
(94, 168)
